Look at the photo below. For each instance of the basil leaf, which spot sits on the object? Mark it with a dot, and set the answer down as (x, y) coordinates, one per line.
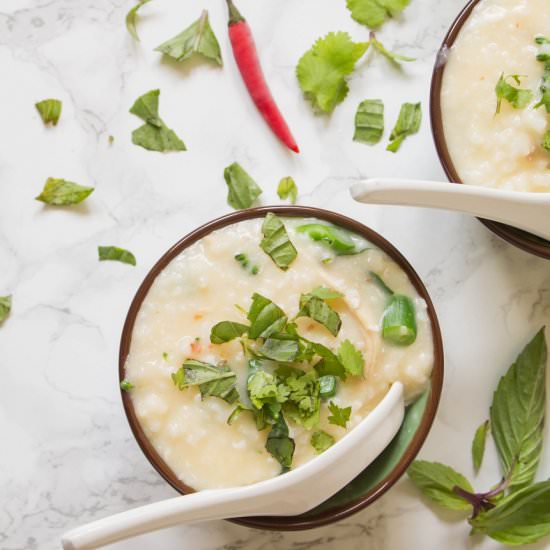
(304, 402)
(329, 365)
(392, 56)
(5, 307)
(114, 253)
(60, 192)
(321, 441)
(131, 19)
(373, 13)
(280, 445)
(266, 318)
(50, 110)
(340, 241)
(226, 331)
(154, 135)
(276, 243)
(198, 38)
(517, 97)
(240, 408)
(408, 123)
(126, 386)
(325, 293)
(243, 190)
(399, 321)
(369, 121)
(340, 416)
(280, 347)
(478, 445)
(523, 517)
(437, 481)
(320, 311)
(287, 189)
(351, 358)
(517, 413)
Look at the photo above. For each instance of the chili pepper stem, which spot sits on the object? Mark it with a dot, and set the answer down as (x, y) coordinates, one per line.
(234, 14)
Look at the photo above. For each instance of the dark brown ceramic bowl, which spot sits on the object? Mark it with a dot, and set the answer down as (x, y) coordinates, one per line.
(517, 237)
(375, 480)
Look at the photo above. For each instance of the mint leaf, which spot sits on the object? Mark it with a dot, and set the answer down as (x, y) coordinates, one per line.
(321, 441)
(478, 445)
(517, 97)
(399, 321)
(287, 189)
(340, 241)
(60, 192)
(373, 13)
(5, 307)
(517, 413)
(266, 318)
(198, 38)
(243, 190)
(369, 121)
(131, 18)
(276, 242)
(114, 253)
(408, 123)
(351, 358)
(392, 56)
(523, 517)
(329, 365)
(318, 310)
(340, 416)
(226, 331)
(304, 402)
(126, 386)
(154, 135)
(437, 481)
(50, 110)
(280, 445)
(322, 70)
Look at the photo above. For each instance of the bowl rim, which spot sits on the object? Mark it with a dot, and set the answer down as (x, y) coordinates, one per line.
(289, 523)
(521, 239)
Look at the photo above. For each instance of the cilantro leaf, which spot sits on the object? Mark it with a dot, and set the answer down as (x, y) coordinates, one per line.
(338, 240)
(266, 318)
(317, 309)
(517, 97)
(287, 189)
(198, 38)
(478, 445)
(373, 13)
(243, 190)
(131, 18)
(392, 56)
(437, 481)
(60, 192)
(276, 242)
(322, 70)
(114, 253)
(369, 121)
(303, 405)
(340, 416)
(517, 413)
(263, 388)
(329, 365)
(50, 110)
(225, 331)
(321, 441)
(408, 123)
(125, 385)
(5, 307)
(280, 445)
(545, 92)
(351, 358)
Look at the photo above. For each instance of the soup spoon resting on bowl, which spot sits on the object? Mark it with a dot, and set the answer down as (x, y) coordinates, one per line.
(527, 211)
(292, 493)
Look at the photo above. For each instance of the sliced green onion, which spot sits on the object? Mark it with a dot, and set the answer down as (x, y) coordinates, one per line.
(399, 321)
(327, 386)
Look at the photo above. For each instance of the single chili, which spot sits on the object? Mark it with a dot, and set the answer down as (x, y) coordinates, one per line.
(246, 56)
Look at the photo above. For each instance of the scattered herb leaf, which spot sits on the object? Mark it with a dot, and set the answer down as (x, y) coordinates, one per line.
(276, 242)
(226, 331)
(280, 445)
(266, 318)
(126, 386)
(287, 189)
(243, 190)
(321, 441)
(517, 97)
(317, 309)
(340, 416)
(50, 110)
(114, 253)
(373, 13)
(369, 121)
(478, 445)
(329, 365)
(59, 192)
(5, 307)
(408, 123)
(131, 18)
(399, 321)
(304, 402)
(351, 358)
(281, 348)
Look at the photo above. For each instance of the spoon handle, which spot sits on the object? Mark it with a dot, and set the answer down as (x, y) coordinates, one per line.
(527, 211)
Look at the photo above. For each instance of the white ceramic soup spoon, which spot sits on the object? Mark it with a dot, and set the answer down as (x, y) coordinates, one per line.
(527, 211)
(293, 493)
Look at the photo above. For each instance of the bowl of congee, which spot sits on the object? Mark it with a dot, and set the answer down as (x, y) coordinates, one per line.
(490, 103)
(262, 338)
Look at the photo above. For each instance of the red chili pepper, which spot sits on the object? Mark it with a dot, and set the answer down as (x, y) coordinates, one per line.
(246, 56)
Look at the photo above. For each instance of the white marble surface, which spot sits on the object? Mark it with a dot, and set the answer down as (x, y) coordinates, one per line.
(67, 455)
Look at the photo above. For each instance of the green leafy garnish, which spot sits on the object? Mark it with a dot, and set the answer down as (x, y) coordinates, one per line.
(280, 445)
(154, 135)
(243, 259)
(408, 123)
(322, 70)
(226, 331)
(243, 190)
(321, 441)
(287, 189)
(351, 358)
(126, 386)
(544, 57)
(276, 242)
(280, 347)
(317, 309)
(131, 18)
(340, 241)
(50, 110)
(5, 307)
(325, 293)
(478, 445)
(304, 402)
(198, 38)
(264, 388)
(266, 318)
(114, 253)
(517, 97)
(60, 192)
(373, 13)
(399, 321)
(329, 365)
(340, 416)
(546, 141)
(369, 121)
(392, 56)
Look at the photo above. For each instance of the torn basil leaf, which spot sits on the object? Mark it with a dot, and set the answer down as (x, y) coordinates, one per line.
(243, 190)
(287, 189)
(339, 415)
(280, 445)
(351, 358)
(478, 445)
(517, 97)
(373, 13)
(329, 365)
(114, 253)
(276, 242)
(321, 441)
(226, 331)
(408, 123)
(131, 18)
(266, 318)
(279, 347)
(198, 38)
(5, 307)
(317, 309)
(60, 192)
(369, 121)
(340, 241)
(50, 110)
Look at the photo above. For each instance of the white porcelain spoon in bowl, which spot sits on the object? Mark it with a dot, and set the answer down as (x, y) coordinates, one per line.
(293, 493)
(527, 211)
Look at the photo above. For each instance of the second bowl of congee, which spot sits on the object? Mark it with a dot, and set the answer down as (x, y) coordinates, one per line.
(258, 343)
